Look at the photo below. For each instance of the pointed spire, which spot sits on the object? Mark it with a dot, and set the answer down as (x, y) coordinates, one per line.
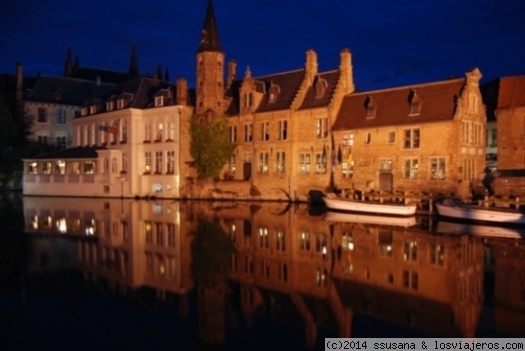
(210, 35)
(69, 62)
(134, 62)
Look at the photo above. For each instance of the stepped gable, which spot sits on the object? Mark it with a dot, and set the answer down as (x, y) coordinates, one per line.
(321, 91)
(68, 91)
(232, 95)
(438, 103)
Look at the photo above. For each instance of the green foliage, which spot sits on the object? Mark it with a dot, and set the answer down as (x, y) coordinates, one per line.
(15, 128)
(210, 146)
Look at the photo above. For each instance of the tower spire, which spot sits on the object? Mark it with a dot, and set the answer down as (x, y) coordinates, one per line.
(210, 35)
(134, 62)
(69, 62)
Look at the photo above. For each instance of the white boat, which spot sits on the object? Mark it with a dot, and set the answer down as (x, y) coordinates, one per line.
(379, 208)
(479, 230)
(369, 219)
(454, 209)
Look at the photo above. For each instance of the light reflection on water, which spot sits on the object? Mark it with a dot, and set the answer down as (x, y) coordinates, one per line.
(253, 275)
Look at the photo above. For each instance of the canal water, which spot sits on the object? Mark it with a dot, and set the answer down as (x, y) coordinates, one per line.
(87, 274)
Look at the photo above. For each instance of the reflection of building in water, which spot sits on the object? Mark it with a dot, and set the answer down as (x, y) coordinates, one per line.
(509, 289)
(286, 264)
(405, 275)
(134, 243)
(433, 282)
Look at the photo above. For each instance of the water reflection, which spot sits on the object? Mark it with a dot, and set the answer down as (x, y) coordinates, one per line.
(271, 259)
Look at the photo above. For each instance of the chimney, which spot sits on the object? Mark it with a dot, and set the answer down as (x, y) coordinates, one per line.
(311, 66)
(19, 81)
(346, 69)
(232, 71)
(182, 91)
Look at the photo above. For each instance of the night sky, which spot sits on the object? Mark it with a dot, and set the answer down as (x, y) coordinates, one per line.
(393, 43)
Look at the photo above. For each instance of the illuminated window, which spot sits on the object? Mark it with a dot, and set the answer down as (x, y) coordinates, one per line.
(437, 168)
(304, 163)
(321, 127)
(280, 161)
(411, 168)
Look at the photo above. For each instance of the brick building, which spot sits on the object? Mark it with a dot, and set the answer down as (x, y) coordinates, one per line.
(429, 136)
(295, 131)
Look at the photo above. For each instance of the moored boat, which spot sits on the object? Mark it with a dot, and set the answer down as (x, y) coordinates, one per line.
(378, 208)
(451, 208)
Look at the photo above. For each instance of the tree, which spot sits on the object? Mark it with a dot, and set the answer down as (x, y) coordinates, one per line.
(210, 146)
(15, 128)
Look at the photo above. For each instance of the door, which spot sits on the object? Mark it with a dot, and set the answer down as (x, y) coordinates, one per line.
(247, 170)
(386, 181)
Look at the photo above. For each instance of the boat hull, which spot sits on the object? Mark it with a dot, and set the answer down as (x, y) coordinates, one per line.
(347, 205)
(481, 214)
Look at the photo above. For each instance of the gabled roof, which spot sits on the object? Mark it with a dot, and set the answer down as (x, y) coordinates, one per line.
(80, 152)
(143, 91)
(108, 76)
(288, 83)
(312, 99)
(67, 91)
(438, 103)
(511, 92)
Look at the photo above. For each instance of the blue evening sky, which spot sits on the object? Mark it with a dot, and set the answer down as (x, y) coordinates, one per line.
(393, 43)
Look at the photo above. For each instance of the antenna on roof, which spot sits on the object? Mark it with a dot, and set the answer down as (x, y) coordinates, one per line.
(397, 72)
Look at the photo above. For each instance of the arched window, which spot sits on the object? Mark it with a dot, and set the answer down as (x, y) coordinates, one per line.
(113, 131)
(114, 165)
(159, 130)
(171, 128)
(104, 133)
(123, 131)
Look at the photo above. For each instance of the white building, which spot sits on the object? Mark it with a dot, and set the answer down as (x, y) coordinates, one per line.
(126, 144)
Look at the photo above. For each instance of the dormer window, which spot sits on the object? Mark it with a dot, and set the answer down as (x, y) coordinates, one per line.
(273, 92)
(371, 108)
(84, 111)
(320, 88)
(110, 105)
(93, 109)
(248, 99)
(162, 97)
(415, 103)
(124, 100)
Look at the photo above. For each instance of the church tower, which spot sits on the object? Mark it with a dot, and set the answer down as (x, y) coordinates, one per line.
(210, 68)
